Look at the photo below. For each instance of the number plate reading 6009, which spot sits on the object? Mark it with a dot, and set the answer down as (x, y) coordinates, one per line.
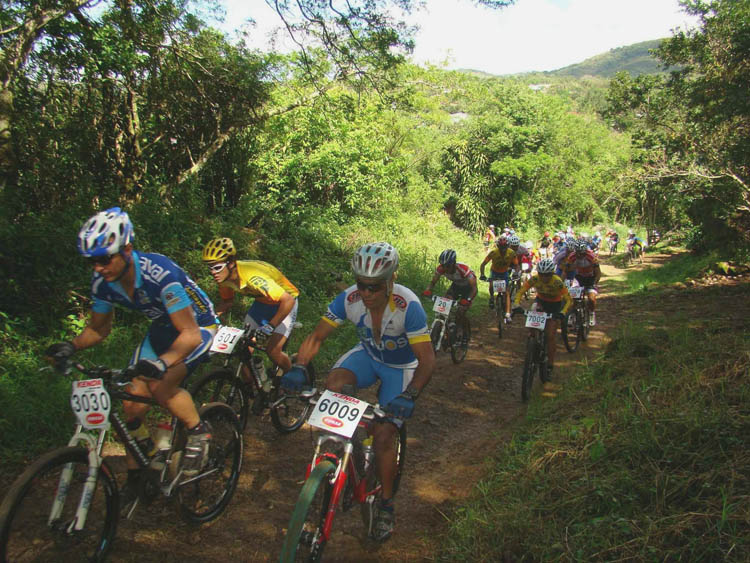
(337, 413)
(90, 403)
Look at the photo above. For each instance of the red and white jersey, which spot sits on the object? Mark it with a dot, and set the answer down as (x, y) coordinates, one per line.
(583, 265)
(460, 276)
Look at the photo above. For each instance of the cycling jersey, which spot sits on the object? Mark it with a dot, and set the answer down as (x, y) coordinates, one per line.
(583, 265)
(461, 276)
(260, 280)
(404, 323)
(545, 242)
(553, 290)
(161, 288)
(488, 238)
(502, 260)
(634, 241)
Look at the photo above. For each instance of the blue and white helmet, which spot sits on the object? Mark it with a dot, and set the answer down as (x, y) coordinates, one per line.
(105, 234)
(375, 260)
(513, 240)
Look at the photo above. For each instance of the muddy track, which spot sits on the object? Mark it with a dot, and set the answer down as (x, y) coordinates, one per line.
(464, 415)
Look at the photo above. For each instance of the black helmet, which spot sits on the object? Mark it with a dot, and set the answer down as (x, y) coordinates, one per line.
(448, 257)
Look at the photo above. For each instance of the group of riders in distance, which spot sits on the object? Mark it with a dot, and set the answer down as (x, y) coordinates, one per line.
(394, 348)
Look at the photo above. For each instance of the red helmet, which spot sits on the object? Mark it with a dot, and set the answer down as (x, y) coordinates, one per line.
(546, 233)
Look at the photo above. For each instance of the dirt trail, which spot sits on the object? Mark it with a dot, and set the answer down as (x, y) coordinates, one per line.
(465, 414)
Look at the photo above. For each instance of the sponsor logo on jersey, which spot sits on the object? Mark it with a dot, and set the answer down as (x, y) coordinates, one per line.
(331, 317)
(198, 303)
(354, 296)
(152, 270)
(260, 283)
(399, 301)
(142, 296)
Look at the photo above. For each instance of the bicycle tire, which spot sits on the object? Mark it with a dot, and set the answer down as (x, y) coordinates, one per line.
(308, 517)
(570, 340)
(204, 497)
(529, 367)
(290, 412)
(458, 349)
(373, 483)
(437, 328)
(543, 360)
(585, 318)
(499, 313)
(223, 386)
(26, 535)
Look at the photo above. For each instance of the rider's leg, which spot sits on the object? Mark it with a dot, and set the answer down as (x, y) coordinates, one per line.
(135, 411)
(384, 442)
(275, 351)
(171, 396)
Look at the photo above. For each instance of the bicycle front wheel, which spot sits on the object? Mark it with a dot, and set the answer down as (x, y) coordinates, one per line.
(222, 386)
(499, 310)
(39, 513)
(288, 411)
(205, 496)
(570, 331)
(304, 539)
(529, 367)
(461, 342)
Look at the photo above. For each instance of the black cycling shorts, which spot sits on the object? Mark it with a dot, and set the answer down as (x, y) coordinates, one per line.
(550, 307)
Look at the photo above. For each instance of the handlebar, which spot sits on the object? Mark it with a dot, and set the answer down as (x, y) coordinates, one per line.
(116, 377)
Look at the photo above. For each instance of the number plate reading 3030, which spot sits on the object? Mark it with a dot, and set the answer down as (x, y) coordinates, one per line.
(337, 413)
(226, 339)
(443, 305)
(536, 320)
(90, 403)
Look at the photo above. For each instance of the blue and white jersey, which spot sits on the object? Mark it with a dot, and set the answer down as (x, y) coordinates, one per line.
(404, 323)
(161, 288)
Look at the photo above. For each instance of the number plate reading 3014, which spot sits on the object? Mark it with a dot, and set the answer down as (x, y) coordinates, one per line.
(536, 320)
(90, 403)
(337, 413)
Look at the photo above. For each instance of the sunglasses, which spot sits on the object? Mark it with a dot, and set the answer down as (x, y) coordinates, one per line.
(101, 260)
(216, 268)
(371, 287)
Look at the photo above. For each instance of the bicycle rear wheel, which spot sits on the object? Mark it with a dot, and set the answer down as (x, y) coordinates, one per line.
(570, 332)
(529, 367)
(373, 484)
(585, 319)
(205, 496)
(304, 539)
(459, 347)
(222, 386)
(26, 532)
(288, 411)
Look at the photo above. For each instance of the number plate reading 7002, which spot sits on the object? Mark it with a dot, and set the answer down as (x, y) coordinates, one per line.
(337, 413)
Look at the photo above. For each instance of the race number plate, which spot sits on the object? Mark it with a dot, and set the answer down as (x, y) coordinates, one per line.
(536, 320)
(576, 292)
(337, 413)
(90, 403)
(443, 305)
(525, 266)
(498, 286)
(226, 339)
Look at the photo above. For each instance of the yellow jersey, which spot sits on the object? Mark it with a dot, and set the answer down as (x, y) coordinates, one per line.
(260, 280)
(502, 260)
(552, 290)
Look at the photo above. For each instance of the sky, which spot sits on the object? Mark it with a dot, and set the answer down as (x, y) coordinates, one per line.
(532, 35)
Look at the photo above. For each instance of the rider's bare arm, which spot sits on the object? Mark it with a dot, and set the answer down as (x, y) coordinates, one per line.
(426, 358)
(97, 329)
(188, 338)
(311, 345)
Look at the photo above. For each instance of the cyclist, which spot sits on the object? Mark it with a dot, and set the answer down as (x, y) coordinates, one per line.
(614, 240)
(552, 297)
(183, 325)
(633, 240)
(544, 246)
(596, 241)
(503, 258)
(488, 238)
(585, 267)
(274, 310)
(463, 283)
(562, 255)
(394, 348)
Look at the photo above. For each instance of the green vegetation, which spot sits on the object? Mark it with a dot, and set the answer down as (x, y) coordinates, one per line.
(643, 456)
(634, 59)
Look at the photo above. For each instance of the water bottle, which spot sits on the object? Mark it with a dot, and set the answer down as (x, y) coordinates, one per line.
(163, 442)
(259, 369)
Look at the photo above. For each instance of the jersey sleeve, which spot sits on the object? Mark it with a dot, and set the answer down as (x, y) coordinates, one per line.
(174, 297)
(336, 313)
(416, 324)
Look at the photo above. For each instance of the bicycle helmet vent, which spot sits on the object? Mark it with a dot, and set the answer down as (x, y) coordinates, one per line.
(105, 234)
(376, 260)
(448, 257)
(545, 266)
(219, 250)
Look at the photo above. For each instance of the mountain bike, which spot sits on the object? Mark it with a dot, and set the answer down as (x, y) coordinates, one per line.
(613, 246)
(447, 331)
(575, 328)
(260, 391)
(499, 287)
(526, 270)
(536, 349)
(635, 252)
(65, 506)
(342, 473)
(514, 284)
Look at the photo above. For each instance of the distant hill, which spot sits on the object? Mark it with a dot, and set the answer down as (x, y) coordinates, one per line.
(635, 59)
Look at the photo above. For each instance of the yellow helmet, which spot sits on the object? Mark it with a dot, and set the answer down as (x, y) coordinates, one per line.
(219, 250)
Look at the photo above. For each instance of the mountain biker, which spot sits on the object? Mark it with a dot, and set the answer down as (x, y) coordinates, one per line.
(488, 238)
(633, 240)
(274, 310)
(596, 241)
(585, 267)
(394, 348)
(182, 328)
(503, 258)
(614, 240)
(544, 245)
(463, 283)
(552, 297)
(565, 250)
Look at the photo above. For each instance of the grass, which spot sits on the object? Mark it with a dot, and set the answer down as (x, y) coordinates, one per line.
(644, 456)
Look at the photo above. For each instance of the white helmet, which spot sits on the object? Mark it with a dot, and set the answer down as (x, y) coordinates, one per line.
(545, 266)
(105, 234)
(513, 240)
(598, 233)
(375, 260)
